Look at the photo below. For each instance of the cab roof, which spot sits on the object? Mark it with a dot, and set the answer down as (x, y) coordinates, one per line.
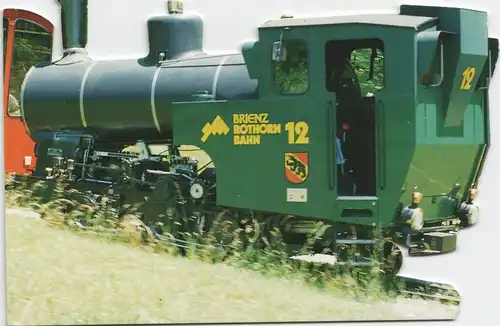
(370, 19)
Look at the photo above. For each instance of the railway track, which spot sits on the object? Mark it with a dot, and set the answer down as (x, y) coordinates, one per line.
(408, 288)
(430, 291)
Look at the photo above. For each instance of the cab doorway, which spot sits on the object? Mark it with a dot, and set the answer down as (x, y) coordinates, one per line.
(354, 71)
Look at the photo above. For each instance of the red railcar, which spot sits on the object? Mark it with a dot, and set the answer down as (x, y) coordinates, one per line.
(27, 39)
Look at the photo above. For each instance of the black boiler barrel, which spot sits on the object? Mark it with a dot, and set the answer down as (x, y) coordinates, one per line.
(126, 100)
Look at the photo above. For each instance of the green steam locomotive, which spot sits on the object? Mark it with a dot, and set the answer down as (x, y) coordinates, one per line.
(375, 125)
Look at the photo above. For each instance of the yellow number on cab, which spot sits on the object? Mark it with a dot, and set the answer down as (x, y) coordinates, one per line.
(467, 77)
(297, 132)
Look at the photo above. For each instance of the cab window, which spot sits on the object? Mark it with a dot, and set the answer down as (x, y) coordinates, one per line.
(292, 75)
(360, 61)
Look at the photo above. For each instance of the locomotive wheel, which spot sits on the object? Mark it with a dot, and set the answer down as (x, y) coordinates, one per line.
(267, 236)
(175, 221)
(225, 227)
(392, 259)
(197, 224)
(82, 201)
(162, 208)
(45, 192)
(165, 191)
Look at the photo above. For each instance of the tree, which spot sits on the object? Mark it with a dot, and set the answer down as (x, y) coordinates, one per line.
(360, 60)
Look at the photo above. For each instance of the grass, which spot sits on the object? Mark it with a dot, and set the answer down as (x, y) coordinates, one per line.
(55, 276)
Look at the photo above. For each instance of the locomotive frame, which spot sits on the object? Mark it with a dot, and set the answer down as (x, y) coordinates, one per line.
(274, 153)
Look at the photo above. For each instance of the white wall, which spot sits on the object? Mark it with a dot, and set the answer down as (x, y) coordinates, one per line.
(118, 29)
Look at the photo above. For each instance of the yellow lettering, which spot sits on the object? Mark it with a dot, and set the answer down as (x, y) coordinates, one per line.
(257, 129)
(274, 129)
(246, 140)
(247, 128)
(255, 139)
(297, 132)
(467, 77)
(250, 118)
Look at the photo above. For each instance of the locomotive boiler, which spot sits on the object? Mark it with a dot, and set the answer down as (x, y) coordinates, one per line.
(127, 100)
(376, 125)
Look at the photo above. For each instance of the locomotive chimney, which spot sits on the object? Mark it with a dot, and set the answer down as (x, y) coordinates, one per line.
(175, 35)
(74, 25)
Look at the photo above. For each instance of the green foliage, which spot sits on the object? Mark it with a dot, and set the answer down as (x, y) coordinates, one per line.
(360, 61)
(292, 76)
(32, 45)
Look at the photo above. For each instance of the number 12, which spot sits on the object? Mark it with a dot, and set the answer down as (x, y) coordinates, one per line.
(467, 77)
(299, 129)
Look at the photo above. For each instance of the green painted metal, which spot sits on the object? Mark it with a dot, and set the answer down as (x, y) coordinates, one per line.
(466, 45)
(428, 136)
(450, 114)
(74, 21)
(253, 176)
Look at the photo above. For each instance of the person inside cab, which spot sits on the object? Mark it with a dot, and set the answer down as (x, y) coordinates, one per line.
(343, 79)
(344, 82)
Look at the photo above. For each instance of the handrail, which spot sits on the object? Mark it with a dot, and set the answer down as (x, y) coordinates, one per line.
(331, 147)
(441, 77)
(381, 168)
